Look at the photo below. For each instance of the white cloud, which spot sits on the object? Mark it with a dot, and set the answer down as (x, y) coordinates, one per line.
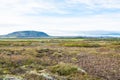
(21, 7)
(97, 3)
(64, 25)
(13, 16)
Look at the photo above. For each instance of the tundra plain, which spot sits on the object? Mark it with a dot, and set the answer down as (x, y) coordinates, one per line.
(60, 59)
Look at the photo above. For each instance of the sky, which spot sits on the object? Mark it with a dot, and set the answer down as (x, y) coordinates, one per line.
(59, 17)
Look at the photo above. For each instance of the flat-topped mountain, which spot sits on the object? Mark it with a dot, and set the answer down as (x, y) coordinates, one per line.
(26, 34)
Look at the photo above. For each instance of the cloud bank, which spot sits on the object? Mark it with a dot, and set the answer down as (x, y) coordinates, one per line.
(59, 17)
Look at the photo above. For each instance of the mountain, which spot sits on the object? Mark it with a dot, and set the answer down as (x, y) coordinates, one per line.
(37, 34)
(25, 34)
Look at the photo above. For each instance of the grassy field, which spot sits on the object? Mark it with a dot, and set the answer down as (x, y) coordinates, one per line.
(60, 59)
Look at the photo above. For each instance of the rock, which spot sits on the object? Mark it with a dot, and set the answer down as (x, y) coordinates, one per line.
(82, 71)
(47, 76)
(1, 78)
(11, 78)
(7, 77)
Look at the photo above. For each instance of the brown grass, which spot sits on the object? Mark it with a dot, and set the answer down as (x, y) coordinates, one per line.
(99, 59)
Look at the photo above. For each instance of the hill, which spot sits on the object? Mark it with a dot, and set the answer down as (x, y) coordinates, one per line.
(25, 34)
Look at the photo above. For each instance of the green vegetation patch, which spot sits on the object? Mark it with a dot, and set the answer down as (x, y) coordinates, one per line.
(64, 69)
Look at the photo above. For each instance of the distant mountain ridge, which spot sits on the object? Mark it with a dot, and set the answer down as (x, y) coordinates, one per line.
(38, 34)
(26, 34)
(99, 33)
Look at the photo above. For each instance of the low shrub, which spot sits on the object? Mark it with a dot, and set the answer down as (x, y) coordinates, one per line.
(81, 45)
(64, 69)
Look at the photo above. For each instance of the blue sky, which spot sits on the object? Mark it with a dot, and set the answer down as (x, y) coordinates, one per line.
(59, 17)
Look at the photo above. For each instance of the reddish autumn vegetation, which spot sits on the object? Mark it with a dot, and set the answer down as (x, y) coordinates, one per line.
(60, 59)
